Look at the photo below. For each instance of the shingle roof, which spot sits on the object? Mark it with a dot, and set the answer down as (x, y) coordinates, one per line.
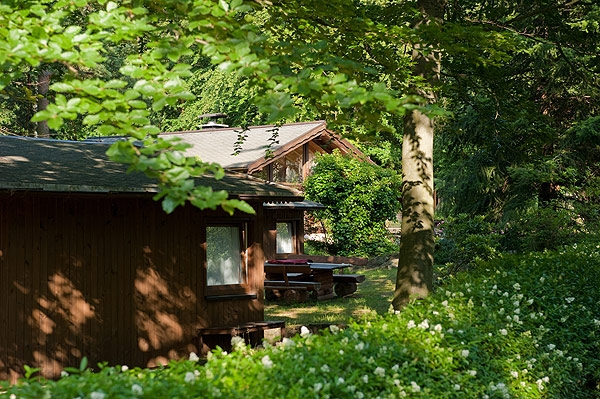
(69, 166)
(218, 144)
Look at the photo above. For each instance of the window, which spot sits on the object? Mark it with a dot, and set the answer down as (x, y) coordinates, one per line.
(288, 169)
(285, 238)
(225, 260)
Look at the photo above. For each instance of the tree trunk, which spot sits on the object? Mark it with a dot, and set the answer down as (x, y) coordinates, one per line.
(415, 265)
(42, 129)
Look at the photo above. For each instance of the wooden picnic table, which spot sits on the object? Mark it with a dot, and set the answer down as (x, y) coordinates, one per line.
(295, 279)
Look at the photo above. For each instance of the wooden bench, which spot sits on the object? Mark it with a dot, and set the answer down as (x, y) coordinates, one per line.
(210, 337)
(291, 281)
(346, 284)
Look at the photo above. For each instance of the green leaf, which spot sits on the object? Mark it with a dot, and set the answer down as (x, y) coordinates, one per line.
(231, 205)
(62, 87)
(92, 119)
(169, 204)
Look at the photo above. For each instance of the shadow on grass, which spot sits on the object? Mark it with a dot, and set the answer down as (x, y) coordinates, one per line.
(373, 295)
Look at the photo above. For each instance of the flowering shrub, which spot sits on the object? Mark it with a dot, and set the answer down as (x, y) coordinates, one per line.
(517, 327)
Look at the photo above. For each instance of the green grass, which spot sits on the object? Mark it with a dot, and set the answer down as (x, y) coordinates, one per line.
(373, 295)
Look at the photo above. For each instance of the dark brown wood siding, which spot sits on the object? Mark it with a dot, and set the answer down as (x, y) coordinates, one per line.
(109, 277)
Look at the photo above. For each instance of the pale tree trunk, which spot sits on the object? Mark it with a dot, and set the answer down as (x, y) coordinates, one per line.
(42, 128)
(415, 265)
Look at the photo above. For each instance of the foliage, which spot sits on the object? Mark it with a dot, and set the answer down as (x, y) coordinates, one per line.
(360, 197)
(519, 327)
(511, 142)
(463, 241)
(545, 228)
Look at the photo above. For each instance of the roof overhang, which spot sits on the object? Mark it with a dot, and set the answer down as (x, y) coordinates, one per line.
(301, 205)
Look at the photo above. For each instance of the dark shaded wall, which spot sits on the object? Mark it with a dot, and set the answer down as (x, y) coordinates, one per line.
(109, 277)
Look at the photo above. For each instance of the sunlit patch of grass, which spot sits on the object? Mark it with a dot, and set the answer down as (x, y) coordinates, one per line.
(373, 296)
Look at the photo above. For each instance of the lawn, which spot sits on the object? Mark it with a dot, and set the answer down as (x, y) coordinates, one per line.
(373, 295)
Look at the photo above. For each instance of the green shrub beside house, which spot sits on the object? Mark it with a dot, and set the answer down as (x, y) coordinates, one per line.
(516, 327)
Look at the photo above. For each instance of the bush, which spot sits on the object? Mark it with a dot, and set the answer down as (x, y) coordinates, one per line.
(360, 197)
(517, 327)
(543, 228)
(463, 241)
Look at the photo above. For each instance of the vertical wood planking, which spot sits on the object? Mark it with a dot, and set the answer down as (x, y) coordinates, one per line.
(29, 291)
(98, 245)
(42, 275)
(3, 291)
(18, 281)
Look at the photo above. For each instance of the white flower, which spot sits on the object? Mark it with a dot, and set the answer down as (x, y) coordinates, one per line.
(464, 353)
(137, 389)
(424, 324)
(438, 328)
(551, 346)
(360, 346)
(193, 357)
(360, 395)
(97, 395)
(445, 303)
(365, 379)
(472, 372)
(334, 329)
(411, 324)
(569, 299)
(457, 387)
(189, 377)
(64, 373)
(415, 387)
(340, 381)
(325, 368)
(517, 286)
(237, 342)
(267, 362)
(317, 386)
(379, 371)
(304, 332)
(514, 374)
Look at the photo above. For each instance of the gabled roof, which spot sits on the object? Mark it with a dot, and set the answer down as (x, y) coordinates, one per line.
(70, 166)
(218, 144)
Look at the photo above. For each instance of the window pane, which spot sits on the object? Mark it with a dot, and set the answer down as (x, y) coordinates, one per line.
(223, 252)
(289, 168)
(285, 238)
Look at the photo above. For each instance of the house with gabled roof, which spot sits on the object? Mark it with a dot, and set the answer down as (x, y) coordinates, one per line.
(90, 264)
(283, 154)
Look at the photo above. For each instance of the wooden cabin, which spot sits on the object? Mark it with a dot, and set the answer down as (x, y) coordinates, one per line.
(90, 265)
